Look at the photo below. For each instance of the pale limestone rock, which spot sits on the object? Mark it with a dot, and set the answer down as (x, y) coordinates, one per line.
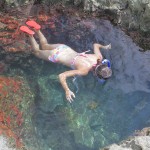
(134, 143)
(116, 147)
(4, 144)
(143, 142)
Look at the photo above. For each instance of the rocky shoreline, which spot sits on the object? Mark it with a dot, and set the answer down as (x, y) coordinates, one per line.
(141, 141)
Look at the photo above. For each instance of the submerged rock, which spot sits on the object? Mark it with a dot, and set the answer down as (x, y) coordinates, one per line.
(49, 96)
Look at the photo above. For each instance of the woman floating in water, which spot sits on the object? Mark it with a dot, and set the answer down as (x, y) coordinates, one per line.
(81, 63)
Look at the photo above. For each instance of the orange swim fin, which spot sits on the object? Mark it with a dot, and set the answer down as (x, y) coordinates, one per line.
(33, 24)
(27, 30)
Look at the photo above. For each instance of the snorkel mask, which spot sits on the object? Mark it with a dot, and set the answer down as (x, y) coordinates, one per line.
(103, 67)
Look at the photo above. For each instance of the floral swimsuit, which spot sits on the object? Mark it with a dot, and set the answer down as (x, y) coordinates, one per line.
(57, 51)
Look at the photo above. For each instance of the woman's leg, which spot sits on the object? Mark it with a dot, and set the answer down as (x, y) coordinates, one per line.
(34, 44)
(43, 54)
(44, 43)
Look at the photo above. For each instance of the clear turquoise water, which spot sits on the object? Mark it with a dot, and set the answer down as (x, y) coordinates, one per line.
(100, 114)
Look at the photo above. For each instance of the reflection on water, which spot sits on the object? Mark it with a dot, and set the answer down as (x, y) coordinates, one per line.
(100, 114)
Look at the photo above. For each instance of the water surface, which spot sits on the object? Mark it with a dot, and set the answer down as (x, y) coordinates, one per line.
(101, 113)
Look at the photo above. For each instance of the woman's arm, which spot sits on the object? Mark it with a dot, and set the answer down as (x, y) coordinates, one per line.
(97, 49)
(63, 76)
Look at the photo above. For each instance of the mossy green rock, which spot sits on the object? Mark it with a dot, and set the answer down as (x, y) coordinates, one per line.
(49, 92)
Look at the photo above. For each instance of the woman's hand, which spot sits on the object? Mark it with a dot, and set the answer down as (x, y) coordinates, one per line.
(69, 95)
(107, 46)
(63, 76)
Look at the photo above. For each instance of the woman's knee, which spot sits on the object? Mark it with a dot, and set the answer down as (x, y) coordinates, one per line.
(43, 41)
(45, 46)
(37, 53)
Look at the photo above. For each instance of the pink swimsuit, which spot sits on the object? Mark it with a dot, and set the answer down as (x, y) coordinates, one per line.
(74, 59)
(54, 57)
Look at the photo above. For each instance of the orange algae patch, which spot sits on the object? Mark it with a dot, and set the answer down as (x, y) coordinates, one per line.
(8, 85)
(10, 33)
(11, 117)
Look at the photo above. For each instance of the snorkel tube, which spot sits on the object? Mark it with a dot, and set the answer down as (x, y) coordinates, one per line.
(107, 62)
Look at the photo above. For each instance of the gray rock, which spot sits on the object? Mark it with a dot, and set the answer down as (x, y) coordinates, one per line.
(139, 142)
(131, 13)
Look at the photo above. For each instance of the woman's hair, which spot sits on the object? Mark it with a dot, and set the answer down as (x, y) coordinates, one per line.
(102, 70)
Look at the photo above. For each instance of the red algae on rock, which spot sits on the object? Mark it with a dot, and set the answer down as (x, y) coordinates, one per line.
(10, 33)
(12, 92)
